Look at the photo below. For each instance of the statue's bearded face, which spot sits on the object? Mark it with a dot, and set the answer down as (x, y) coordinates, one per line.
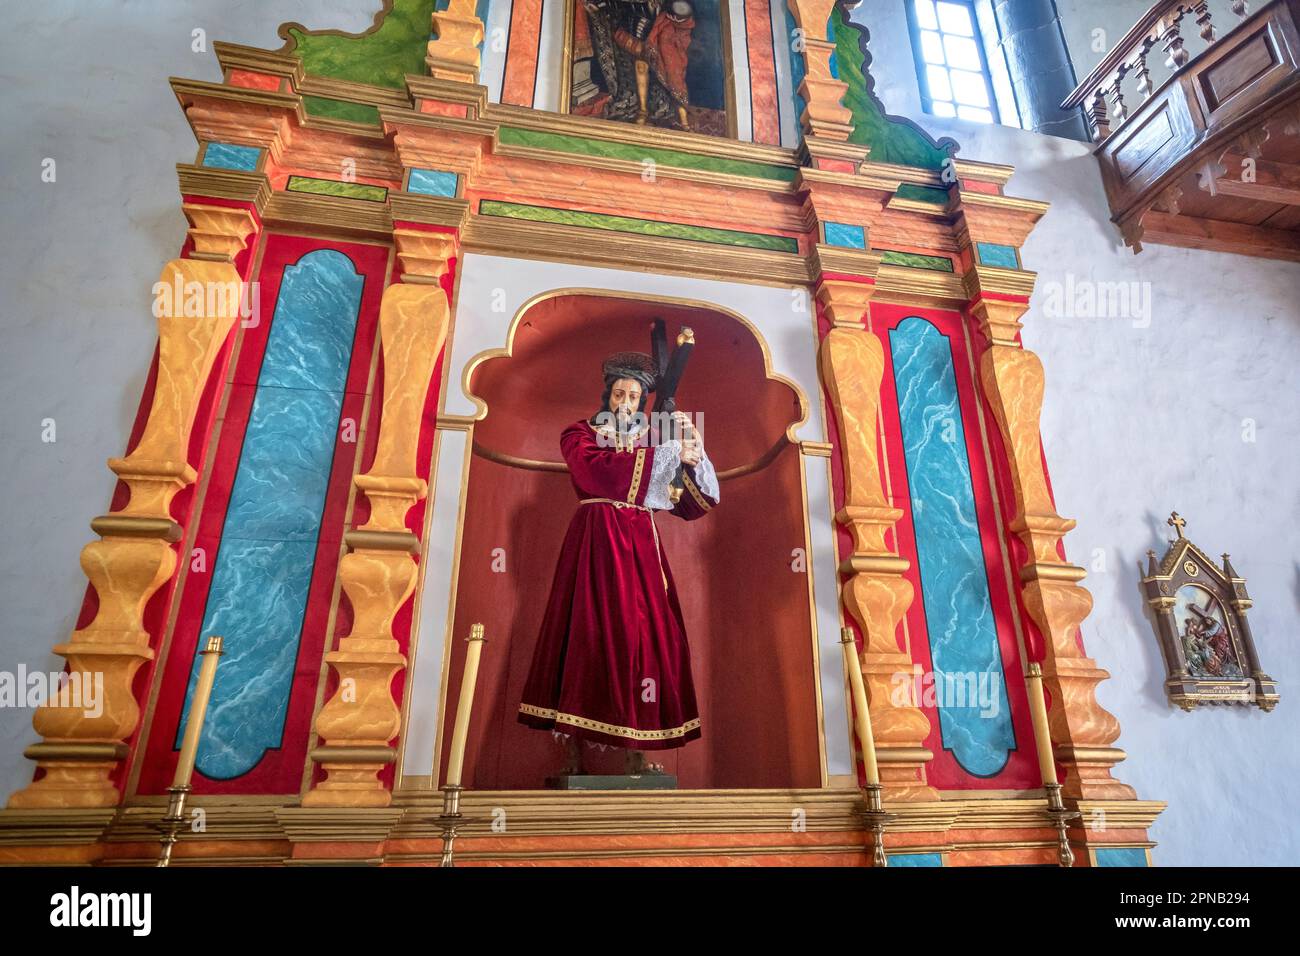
(625, 397)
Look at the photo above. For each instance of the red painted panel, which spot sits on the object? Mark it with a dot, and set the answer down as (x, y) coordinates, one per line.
(280, 771)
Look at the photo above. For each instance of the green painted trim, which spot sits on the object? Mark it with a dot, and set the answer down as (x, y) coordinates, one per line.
(938, 197)
(381, 58)
(585, 146)
(914, 260)
(892, 139)
(341, 109)
(329, 187)
(643, 227)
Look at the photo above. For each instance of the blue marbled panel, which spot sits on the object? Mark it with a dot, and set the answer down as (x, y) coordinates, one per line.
(992, 254)
(850, 237)
(916, 859)
(315, 320)
(264, 566)
(975, 724)
(258, 596)
(230, 156)
(284, 469)
(432, 182)
(1121, 856)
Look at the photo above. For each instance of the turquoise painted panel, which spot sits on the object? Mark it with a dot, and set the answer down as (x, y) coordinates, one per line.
(284, 469)
(432, 182)
(992, 254)
(1121, 856)
(851, 237)
(229, 156)
(916, 859)
(264, 566)
(971, 695)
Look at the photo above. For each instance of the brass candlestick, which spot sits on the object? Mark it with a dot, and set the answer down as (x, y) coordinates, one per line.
(874, 816)
(451, 819)
(1056, 809)
(179, 791)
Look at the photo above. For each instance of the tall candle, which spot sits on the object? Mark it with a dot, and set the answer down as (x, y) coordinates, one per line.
(198, 712)
(467, 683)
(1042, 735)
(862, 715)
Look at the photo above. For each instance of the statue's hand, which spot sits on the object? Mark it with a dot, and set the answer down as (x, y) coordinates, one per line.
(690, 452)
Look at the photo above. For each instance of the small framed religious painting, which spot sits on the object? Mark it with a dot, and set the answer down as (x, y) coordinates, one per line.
(664, 63)
(1200, 609)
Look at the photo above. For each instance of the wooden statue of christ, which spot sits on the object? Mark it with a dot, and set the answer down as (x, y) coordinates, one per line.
(612, 665)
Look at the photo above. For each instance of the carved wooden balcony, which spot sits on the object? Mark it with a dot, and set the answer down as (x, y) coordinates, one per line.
(1208, 157)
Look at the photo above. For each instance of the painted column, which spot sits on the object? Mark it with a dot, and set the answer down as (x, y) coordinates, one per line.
(825, 114)
(378, 574)
(877, 594)
(1082, 731)
(197, 308)
(453, 51)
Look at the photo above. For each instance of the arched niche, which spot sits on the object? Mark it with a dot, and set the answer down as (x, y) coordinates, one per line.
(741, 573)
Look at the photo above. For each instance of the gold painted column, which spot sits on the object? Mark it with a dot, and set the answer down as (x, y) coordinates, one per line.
(1082, 731)
(877, 594)
(453, 51)
(378, 574)
(824, 112)
(197, 304)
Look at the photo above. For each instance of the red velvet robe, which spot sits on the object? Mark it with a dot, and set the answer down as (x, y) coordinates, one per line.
(612, 664)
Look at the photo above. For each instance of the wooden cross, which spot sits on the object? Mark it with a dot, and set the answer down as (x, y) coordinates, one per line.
(1177, 522)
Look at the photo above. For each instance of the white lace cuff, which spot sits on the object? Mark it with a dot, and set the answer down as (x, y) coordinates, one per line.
(668, 456)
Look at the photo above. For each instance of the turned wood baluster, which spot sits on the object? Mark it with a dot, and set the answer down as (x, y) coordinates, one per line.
(1172, 35)
(1097, 113)
(1118, 110)
(1202, 11)
(1143, 72)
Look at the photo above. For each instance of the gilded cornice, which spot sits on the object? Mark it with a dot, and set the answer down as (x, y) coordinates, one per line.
(1006, 220)
(352, 217)
(985, 280)
(471, 95)
(234, 56)
(430, 210)
(837, 259)
(922, 287)
(352, 92)
(983, 172)
(234, 184)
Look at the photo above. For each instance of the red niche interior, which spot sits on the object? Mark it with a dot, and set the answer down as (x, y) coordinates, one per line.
(747, 611)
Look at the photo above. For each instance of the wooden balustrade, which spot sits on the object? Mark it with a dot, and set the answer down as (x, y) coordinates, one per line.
(1102, 93)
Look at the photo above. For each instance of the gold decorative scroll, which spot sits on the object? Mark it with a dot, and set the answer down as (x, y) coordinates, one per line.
(1082, 731)
(134, 557)
(378, 573)
(877, 594)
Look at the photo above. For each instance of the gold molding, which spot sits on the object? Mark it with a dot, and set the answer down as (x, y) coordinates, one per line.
(339, 214)
(215, 183)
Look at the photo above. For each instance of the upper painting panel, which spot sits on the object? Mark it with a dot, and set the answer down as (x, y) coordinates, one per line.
(653, 62)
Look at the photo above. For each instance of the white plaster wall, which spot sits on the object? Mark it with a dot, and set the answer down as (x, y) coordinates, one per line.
(86, 84)
(1139, 421)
